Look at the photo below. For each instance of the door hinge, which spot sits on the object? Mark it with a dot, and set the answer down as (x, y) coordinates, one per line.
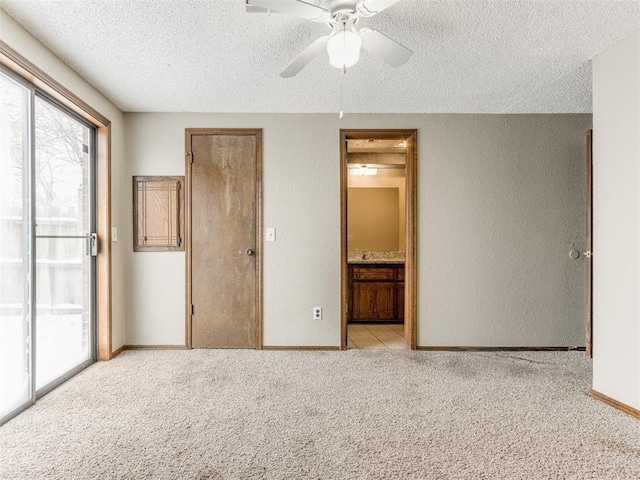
(192, 309)
(588, 254)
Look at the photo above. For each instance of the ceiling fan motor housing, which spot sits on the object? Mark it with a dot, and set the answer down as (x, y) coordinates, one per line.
(359, 7)
(339, 18)
(342, 5)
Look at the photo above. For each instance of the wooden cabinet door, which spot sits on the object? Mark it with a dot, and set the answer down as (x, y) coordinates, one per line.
(373, 301)
(359, 301)
(400, 301)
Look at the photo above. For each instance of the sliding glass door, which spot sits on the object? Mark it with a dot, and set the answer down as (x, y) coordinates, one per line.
(64, 222)
(46, 244)
(15, 253)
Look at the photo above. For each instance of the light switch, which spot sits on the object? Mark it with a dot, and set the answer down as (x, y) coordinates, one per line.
(114, 234)
(271, 234)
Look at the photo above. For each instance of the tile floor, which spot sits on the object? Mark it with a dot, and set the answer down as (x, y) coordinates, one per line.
(375, 335)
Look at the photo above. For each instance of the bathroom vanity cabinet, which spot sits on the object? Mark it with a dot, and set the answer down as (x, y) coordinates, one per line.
(376, 292)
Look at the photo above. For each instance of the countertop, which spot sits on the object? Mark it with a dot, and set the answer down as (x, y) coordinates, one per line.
(360, 257)
(374, 261)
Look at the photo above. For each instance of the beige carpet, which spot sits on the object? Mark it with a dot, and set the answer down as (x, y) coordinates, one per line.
(323, 415)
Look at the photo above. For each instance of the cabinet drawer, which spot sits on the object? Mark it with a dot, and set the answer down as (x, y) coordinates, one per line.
(373, 273)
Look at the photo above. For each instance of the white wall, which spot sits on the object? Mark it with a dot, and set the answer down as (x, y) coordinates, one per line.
(501, 199)
(20, 40)
(616, 216)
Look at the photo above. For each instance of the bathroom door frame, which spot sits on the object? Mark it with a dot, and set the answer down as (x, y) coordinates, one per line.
(410, 297)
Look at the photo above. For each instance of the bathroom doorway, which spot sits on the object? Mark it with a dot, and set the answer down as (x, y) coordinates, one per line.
(378, 238)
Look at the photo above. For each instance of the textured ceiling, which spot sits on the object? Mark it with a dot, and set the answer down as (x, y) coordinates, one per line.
(210, 56)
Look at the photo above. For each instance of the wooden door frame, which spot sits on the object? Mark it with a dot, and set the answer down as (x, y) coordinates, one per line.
(189, 133)
(411, 199)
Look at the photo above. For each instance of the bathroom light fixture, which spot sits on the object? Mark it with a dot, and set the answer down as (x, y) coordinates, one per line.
(344, 44)
(363, 171)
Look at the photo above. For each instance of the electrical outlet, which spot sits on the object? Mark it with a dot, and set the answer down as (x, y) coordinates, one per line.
(317, 313)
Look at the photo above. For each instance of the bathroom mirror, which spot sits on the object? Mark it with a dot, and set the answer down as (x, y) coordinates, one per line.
(373, 219)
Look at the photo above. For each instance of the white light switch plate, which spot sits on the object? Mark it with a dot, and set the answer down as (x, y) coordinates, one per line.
(114, 234)
(271, 234)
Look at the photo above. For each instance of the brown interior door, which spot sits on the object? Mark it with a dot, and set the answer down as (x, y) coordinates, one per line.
(224, 249)
(589, 262)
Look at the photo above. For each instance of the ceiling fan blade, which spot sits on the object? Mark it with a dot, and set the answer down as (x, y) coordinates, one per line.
(383, 47)
(369, 8)
(302, 60)
(298, 8)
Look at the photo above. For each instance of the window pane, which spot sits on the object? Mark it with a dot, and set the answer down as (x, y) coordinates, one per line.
(14, 248)
(62, 172)
(63, 268)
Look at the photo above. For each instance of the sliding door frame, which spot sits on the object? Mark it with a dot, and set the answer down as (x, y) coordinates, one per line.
(37, 81)
(46, 84)
(93, 202)
(29, 195)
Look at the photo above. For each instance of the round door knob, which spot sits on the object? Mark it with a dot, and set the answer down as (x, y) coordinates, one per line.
(249, 251)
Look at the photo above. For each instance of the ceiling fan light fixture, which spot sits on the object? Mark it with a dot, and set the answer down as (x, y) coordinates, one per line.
(344, 45)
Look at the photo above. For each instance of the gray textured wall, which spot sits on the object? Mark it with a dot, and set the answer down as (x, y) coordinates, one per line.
(501, 198)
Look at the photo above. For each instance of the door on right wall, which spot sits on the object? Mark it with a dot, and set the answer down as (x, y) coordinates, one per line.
(589, 273)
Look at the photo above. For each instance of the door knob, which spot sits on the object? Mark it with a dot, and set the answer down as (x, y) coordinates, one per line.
(249, 251)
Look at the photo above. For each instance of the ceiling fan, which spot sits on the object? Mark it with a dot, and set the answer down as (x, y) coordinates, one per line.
(345, 40)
